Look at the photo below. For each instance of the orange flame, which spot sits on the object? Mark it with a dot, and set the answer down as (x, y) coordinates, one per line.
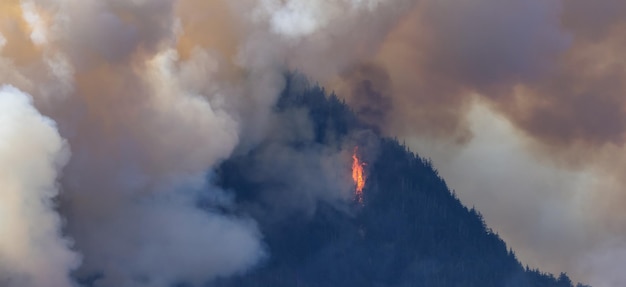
(358, 175)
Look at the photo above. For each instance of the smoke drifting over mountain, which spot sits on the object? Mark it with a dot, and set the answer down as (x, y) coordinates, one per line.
(552, 70)
(150, 95)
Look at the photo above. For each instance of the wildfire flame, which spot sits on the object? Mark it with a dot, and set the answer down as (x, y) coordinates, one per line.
(358, 176)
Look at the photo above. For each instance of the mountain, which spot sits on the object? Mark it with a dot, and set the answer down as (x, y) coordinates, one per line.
(409, 230)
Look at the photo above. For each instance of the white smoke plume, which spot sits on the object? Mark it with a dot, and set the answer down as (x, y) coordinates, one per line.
(33, 252)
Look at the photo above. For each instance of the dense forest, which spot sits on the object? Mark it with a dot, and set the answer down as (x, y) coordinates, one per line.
(410, 229)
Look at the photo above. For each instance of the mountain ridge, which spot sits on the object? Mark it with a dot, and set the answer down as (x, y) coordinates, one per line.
(411, 230)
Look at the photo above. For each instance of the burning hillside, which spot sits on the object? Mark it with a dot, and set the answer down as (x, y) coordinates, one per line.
(412, 232)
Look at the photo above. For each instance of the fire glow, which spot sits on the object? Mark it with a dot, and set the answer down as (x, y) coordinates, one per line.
(358, 176)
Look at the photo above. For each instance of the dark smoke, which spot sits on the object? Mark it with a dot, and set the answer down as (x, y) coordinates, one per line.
(369, 92)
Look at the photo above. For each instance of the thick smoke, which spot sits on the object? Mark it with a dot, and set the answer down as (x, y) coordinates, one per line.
(369, 91)
(144, 129)
(33, 252)
(151, 95)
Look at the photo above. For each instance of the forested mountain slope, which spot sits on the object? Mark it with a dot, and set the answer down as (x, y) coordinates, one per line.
(410, 229)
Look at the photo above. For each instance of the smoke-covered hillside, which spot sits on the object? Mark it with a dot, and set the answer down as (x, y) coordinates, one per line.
(410, 229)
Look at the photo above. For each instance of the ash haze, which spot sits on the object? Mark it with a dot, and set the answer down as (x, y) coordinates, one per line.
(149, 95)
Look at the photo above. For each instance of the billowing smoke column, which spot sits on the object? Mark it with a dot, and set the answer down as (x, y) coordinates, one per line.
(142, 136)
(32, 250)
(152, 94)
